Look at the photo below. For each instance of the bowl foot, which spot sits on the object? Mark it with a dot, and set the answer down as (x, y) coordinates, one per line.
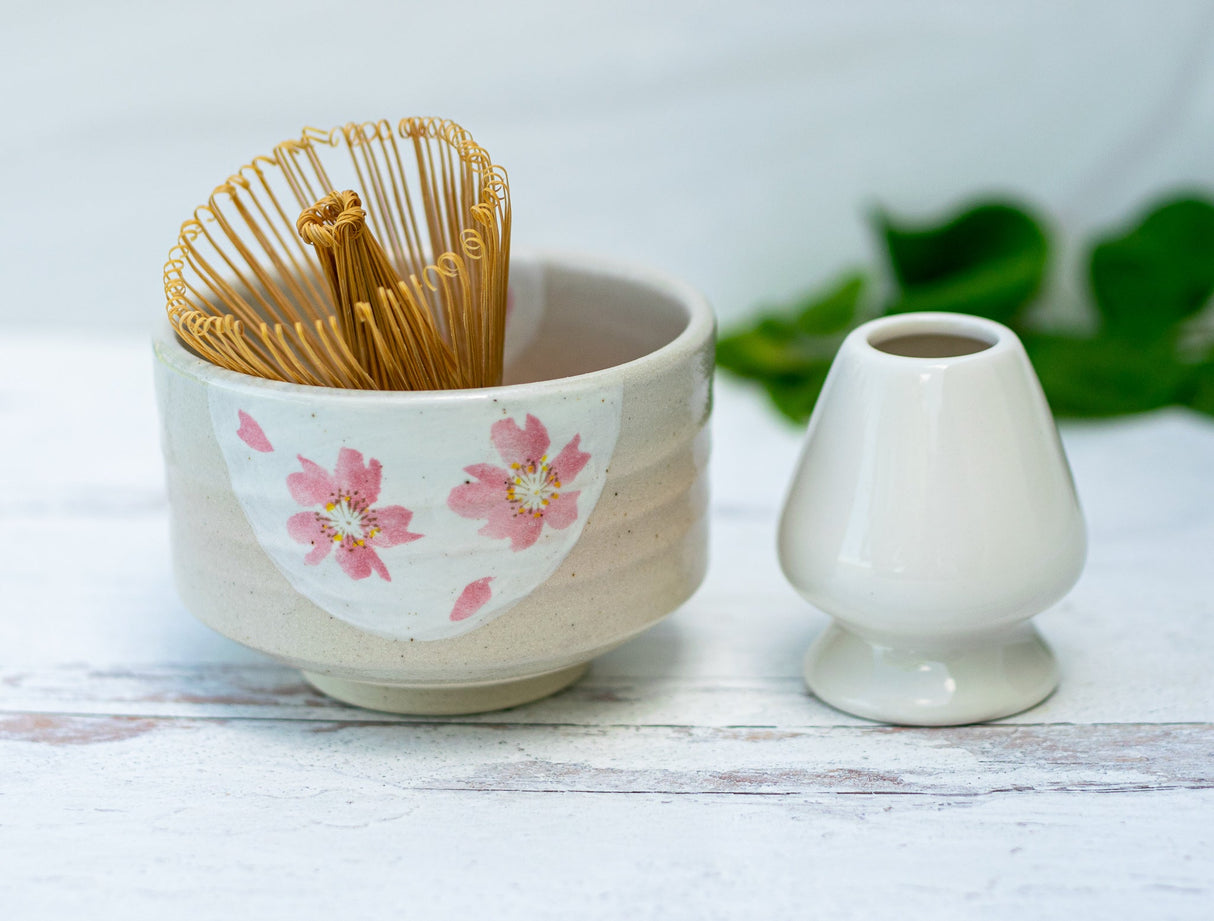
(932, 685)
(446, 700)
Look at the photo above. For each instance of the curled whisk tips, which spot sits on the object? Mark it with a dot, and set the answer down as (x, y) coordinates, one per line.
(317, 293)
(337, 217)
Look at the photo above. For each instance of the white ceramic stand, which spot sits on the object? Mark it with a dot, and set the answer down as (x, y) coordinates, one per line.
(932, 514)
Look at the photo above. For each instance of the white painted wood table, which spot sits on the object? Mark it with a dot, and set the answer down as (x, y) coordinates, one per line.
(149, 768)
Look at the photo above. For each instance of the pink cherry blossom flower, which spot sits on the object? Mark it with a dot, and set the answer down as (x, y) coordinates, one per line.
(342, 516)
(530, 491)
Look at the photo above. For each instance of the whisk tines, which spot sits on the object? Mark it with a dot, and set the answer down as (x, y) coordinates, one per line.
(401, 287)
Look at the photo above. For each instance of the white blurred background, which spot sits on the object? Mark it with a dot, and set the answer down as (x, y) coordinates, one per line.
(736, 145)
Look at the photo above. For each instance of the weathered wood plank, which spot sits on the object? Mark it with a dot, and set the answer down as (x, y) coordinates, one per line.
(967, 761)
(689, 776)
(269, 691)
(262, 840)
(276, 692)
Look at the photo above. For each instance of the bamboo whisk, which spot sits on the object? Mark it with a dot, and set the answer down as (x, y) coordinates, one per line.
(318, 299)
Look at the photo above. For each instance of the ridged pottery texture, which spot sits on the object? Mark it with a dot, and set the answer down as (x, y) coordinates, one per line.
(452, 551)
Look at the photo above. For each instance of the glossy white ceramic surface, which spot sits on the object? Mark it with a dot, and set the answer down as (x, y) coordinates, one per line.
(441, 596)
(932, 512)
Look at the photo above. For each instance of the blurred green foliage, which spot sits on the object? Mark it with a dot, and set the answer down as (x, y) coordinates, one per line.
(1147, 285)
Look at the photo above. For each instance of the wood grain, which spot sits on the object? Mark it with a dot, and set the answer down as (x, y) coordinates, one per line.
(149, 767)
(507, 757)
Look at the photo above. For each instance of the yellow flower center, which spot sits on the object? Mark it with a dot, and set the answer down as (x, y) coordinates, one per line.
(531, 487)
(346, 518)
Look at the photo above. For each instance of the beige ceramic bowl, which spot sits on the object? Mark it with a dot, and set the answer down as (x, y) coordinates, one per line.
(454, 551)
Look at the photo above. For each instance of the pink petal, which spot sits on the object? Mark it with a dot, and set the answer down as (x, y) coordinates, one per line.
(522, 530)
(570, 461)
(562, 511)
(305, 528)
(359, 562)
(313, 486)
(472, 598)
(378, 565)
(476, 499)
(353, 477)
(517, 445)
(393, 523)
(251, 433)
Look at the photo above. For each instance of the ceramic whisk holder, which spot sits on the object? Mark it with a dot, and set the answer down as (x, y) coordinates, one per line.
(931, 515)
(454, 551)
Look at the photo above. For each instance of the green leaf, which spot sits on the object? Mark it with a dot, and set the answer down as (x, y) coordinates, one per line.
(1106, 376)
(789, 350)
(792, 340)
(989, 261)
(833, 312)
(1162, 271)
(795, 397)
(1201, 394)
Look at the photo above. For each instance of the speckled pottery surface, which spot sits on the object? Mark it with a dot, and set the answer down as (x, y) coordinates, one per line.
(454, 551)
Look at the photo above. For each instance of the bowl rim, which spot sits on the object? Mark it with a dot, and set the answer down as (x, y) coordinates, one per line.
(700, 327)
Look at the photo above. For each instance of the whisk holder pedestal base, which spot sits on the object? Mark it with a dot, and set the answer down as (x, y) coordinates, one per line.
(931, 684)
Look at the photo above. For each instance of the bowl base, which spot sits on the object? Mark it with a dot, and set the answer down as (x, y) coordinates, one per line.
(446, 700)
(931, 685)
